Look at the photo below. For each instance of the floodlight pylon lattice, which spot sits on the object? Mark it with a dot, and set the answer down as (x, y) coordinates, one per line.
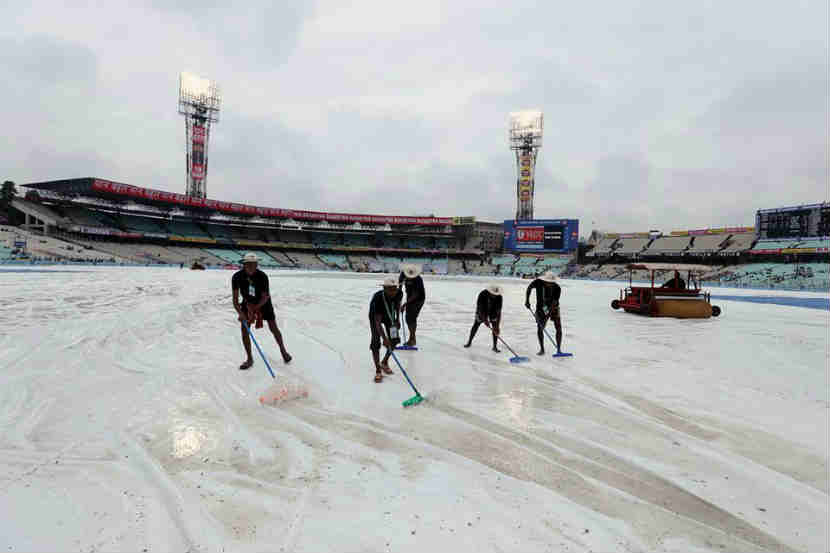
(526, 140)
(199, 102)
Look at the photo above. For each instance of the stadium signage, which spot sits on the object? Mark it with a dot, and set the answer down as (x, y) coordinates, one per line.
(541, 235)
(724, 230)
(110, 187)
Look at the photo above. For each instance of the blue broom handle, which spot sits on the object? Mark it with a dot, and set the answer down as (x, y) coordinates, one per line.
(395, 357)
(508, 347)
(404, 373)
(251, 334)
(552, 341)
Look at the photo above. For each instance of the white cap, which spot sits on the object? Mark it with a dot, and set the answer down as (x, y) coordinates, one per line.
(548, 276)
(494, 289)
(250, 257)
(410, 270)
(390, 282)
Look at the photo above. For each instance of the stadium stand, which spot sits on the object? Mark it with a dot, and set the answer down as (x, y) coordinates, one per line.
(631, 246)
(308, 261)
(525, 265)
(603, 248)
(80, 216)
(187, 228)
(776, 275)
(326, 240)
(49, 248)
(41, 211)
(737, 243)
(142, 224)
(229, 256)
(706, 244)
(282, 258)
(773, 244)
(361, 263)
(335, 261)
(356, 240)
(555, 264)
(669, 245)
(814, 243)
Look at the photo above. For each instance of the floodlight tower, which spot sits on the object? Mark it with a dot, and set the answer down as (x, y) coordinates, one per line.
(199, 102)
(525, 140)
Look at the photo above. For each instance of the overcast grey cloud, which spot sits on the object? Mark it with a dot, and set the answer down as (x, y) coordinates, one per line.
(659, 114)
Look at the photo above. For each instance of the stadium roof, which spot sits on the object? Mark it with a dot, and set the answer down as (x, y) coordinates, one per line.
(95, 187)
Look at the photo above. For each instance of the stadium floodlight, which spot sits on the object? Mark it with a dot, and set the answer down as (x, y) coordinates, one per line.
(525, 139)
(199, 102)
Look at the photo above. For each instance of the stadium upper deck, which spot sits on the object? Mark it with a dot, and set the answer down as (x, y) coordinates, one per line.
(108, 210)
(94, 187)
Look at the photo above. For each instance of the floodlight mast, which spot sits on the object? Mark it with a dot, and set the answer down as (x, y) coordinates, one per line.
(525, 140)
(199, 102)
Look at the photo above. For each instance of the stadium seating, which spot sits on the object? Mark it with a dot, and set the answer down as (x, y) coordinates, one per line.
(356, 240)
(603, 248)
(813, 243)
(456, 267)
(777, 275)
(55, 249)
(142, 224)
(335, 261)
(737, 243)
(773, 244)
(283, 258)
(669, 245)
(439, 266)
(631, 246)
(706, 244)
(220, 232)
(187, 228)
(106, 219)
(80, 216)
(326, 239)
(227, 255)
(41, 211)
(361, 263)
(415, 243)
(308, 261)
(503, 259)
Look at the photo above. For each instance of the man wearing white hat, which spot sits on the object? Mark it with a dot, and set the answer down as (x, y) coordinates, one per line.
(256, 305)
(415, 296)
(384, 322)
(547, 307)
(488, 311)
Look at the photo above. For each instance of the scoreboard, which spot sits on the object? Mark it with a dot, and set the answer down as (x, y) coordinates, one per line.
(541, 235)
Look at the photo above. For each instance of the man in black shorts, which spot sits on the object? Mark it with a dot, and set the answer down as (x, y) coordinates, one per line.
(415, 296)
(256, 305)
(385, 324)
(488, 311)
(547, 307)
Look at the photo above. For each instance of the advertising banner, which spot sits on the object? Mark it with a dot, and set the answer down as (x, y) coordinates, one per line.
(199, 135)
(129, 190)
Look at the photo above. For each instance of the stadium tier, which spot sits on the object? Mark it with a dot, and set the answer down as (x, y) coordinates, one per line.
(669, 245)
(94, 220)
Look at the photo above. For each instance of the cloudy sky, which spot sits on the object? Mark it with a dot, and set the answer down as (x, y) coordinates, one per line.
(658, 115)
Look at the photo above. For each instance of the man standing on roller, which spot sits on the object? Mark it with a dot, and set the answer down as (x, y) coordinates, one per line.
(488, 311)
(384, 324)
(415, 296)
(256, 305)
(547, 307)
